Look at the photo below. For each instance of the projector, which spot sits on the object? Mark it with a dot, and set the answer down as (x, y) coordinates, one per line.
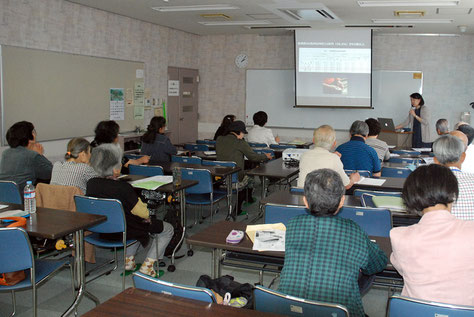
(292, 154)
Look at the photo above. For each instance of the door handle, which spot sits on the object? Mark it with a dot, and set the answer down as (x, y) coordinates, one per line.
(181, 119)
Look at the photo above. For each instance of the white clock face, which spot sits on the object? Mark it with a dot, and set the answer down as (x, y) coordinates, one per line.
(241, 60)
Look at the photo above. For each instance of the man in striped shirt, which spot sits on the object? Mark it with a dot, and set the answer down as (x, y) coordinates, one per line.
(449, 150)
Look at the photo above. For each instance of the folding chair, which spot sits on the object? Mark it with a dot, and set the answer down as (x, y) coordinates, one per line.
(254, 144)
(283, 214)
(196, 147)
(145, 170)
(401, 306)
(363, 173)
(399, 172)
(10, 193)
(374, 221)
(186, 159)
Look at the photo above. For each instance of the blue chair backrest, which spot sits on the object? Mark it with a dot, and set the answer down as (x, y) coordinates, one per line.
(283, 214)
(186, 159)
(148, 283)
(406, 152)
(374, 221)
(10, 193)
(361, 172)
(235, 176)
(359, 192)
(133, 156)
(202, 176)
(210, 142)
(297, 190)
(145, 170)
(282, 146)
(15, 250)
(270, 301)
(196, 147)
(263, 151)
(111, 208)
(253, 144)
(401, 306)
(404, 160)
(399, 172)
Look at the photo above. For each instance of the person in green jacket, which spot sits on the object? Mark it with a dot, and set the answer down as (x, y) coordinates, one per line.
(232, 147)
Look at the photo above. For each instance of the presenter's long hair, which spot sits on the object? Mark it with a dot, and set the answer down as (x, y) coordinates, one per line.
(156, 123)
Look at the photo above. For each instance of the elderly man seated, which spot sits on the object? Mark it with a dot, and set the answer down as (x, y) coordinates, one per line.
(449, 150)
(355, 154)
(324, 139)
(468, 165)
(324, 253)
(442, 126)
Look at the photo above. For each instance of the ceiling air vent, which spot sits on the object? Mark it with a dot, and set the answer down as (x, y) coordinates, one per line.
(276, 27)
(313, 15)
(372, 26)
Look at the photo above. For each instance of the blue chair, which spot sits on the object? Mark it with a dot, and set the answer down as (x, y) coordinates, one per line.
(9, 193)
(263, 151)
(297, 190)
(282, 146)
(270, 301)
(283, 214)
(366, 196)
(374, 221)
(253, 144)
(148, 283)
(133, 156)
(406, 152)
(201, 193)
(235, 176)
(404, 160)
(208, 142)
(399, 172)
(186, 159)
(363, 173)
(116, 223)
(145, 170)
(16, 254)
(401, 306)
(196, 147)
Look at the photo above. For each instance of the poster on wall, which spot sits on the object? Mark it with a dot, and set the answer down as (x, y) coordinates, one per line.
(139, 94)
(117, 104)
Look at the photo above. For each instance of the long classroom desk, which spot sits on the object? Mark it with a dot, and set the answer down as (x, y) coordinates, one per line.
(391, 184)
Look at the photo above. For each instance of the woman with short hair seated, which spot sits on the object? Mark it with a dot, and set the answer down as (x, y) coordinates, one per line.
(106, 161)
(24, 160)
(76, 170)
(436, 255)
(324, 253)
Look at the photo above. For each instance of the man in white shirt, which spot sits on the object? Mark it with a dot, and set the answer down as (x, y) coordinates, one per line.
(449, 150)
(258, 133)
(468, 164)
(324, 139)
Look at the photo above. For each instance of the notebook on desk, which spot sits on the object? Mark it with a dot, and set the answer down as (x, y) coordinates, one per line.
(387, 124)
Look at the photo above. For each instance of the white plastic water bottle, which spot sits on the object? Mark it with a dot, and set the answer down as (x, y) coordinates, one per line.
(30, 197)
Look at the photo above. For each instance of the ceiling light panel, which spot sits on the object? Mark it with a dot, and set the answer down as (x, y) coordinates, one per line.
(443, 3)
(411, 21)
(203, 7)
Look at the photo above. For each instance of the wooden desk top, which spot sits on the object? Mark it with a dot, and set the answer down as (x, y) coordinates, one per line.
(274, 168)
(134, 302)
(53, 224)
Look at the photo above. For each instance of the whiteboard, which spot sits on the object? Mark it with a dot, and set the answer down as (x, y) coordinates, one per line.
(273, 91)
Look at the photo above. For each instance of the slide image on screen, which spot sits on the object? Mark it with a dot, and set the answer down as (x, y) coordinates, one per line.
(333, 68)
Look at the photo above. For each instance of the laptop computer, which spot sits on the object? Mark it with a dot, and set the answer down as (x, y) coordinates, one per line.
(387, 124)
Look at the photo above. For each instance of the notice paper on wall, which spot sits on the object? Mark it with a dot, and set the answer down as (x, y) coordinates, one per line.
(139, 94)
(117, 104)
(139, 113)
(173, 88)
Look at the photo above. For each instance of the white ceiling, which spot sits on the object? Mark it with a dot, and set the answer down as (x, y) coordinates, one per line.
(347, 13)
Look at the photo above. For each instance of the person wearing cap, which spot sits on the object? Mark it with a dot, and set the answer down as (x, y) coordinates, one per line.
(232, 147)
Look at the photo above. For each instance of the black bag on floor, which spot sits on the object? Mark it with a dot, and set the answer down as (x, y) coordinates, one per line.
(226, 284)
(172, 217)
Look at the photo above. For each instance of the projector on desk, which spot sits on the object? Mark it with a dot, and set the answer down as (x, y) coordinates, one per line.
(292, 154)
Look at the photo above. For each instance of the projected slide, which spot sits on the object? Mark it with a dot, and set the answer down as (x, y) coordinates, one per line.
(333, 68)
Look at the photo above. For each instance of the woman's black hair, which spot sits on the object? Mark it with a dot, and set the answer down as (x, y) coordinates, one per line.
(156, 123)
(106, 132)
(226, 121)
(374, 126)
(20, 134)
(416, 95)
(260, 118)
(428, 186)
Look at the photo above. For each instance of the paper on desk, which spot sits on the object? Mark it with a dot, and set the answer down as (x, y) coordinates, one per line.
(209, 152)
(394, 154)
(152, 183)
(422, 149)
(296, 142)
(429, 160)
(180, 152)
(251, 229)
(371, 181)
(392, 146)
(13, 213)
(3, 206)
(269, 240)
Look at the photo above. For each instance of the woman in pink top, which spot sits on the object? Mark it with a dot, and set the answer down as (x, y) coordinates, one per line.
(436, 255)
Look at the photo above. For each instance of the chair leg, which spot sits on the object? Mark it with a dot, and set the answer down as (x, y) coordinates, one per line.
(35, 299)
(14, 304)
(212, 208)
(124, 257)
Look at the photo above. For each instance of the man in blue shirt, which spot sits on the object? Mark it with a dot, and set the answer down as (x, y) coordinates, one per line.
(355, 154)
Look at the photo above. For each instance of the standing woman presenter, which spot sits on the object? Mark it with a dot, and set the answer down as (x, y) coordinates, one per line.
(419, 120)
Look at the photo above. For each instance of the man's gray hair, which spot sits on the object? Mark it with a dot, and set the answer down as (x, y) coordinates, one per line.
(323, 189)
(105, 158)
(442, 126)
(359, 127)
(448, 149)
(324, 137)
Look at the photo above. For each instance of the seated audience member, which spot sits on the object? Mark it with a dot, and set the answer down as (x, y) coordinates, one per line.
(224, 127)
(324, 253)
(449, 150)
(468, 165)
(76, 170)
(381, 147)
(232, 147)
(460, 123)
(435, 256)
(24, 160)
(108, 132)
(258, 133)
(324, 140)
(355, 154)
(442, 126)
(155, 144)
(106, 161)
